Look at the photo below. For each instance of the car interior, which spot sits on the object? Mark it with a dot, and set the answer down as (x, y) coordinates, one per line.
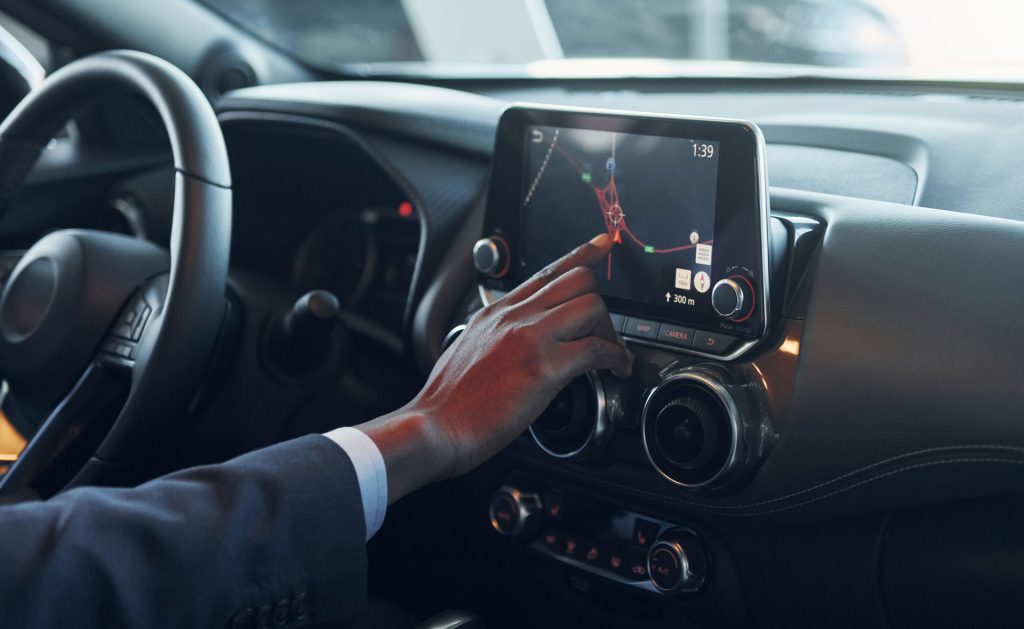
(229, 223)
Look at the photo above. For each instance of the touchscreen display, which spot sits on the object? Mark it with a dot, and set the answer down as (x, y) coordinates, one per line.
(654, 195)
(683, 199)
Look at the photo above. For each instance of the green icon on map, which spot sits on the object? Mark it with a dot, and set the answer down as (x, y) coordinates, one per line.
(648, 249)
(585, 177)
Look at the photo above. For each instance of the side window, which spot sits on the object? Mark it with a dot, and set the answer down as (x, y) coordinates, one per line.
(24, 57)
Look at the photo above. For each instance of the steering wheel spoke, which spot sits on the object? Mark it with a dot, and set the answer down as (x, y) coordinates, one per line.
(71, 432)
(69, 436)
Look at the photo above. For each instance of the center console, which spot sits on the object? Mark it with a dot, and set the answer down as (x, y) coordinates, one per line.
(686, 283)
(684, 201)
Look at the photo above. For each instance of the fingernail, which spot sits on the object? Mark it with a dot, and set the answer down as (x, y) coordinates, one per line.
(600, 240)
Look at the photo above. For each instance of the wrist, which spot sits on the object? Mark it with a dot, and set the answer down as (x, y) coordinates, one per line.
(415, 450)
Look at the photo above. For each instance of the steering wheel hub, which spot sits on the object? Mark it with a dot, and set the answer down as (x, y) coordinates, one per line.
(28, 299)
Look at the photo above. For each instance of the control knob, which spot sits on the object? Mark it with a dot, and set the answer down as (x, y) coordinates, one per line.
(491, 256)
(676, 562)
(515, 512)
(733, 298)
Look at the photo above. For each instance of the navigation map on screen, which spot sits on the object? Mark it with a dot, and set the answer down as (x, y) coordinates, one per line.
(655, 196)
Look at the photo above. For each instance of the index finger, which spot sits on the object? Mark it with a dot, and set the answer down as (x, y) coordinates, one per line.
(587, 254)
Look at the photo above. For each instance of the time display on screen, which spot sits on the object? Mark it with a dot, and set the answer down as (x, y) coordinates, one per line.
(703, 149)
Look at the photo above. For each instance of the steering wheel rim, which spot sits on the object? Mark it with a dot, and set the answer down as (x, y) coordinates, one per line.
(184, 288)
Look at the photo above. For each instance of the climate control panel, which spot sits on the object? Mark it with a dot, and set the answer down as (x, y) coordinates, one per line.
(626, 547)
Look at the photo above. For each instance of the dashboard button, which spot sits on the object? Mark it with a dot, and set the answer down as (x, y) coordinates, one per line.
(515, 512)
(636, 568)
(641, 328)
(554, 505)
(666, 565)
(505, 513)
(616, 562)
(551, 539)
(594, 554)
(618, 321)
(675, 335)
(645, 532)
(571, 546)
(677, 562)
(713, 343)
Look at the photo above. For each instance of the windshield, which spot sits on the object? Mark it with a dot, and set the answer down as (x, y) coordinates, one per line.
(638, 36)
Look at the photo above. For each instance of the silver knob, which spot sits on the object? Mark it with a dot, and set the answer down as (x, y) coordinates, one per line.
(514, 512)
(490, 256)
(676, 562)
(728, 298)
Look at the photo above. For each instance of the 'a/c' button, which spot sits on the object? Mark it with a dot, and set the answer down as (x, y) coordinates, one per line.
(641, 328)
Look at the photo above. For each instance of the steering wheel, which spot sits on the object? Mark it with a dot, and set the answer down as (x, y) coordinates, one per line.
(104, 339)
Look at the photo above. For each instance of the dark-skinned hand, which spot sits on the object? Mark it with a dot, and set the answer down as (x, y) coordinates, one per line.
(515, 355)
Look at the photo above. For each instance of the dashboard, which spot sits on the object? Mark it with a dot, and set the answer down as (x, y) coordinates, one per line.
(868, 397)
(825, 431)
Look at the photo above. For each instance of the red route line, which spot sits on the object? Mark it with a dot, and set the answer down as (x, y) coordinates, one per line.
(608, 197)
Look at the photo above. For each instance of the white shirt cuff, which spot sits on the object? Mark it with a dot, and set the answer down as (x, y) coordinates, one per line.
(370, 472)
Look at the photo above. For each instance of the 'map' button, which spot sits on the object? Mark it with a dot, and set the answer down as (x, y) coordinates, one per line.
(641, 328)
(675, 335)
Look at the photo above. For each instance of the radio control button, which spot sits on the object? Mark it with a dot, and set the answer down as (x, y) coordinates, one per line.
(675, 335)
(727, 298)
(733, 298)
(642, 328)
(712, 343)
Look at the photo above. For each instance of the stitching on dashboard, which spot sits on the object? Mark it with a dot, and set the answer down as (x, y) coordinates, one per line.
(884, 475)
(733, 510)
(717, 510)
(876, 464)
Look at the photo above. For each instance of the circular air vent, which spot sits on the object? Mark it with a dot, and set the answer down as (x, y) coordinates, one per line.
(574, 424)
(691, 429)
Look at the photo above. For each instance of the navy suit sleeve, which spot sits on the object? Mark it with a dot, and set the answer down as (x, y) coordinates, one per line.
(279, 531)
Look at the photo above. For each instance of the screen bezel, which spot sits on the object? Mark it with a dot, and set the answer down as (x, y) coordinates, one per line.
(741, 193)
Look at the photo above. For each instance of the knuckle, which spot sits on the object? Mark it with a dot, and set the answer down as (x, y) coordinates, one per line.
(545, 272)
(593, 347)
(593, 303)
(482, 315)
(508, 316)
(545, 370)
(584, 276)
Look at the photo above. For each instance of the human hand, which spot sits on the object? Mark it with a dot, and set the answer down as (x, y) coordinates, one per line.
(501, 373)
